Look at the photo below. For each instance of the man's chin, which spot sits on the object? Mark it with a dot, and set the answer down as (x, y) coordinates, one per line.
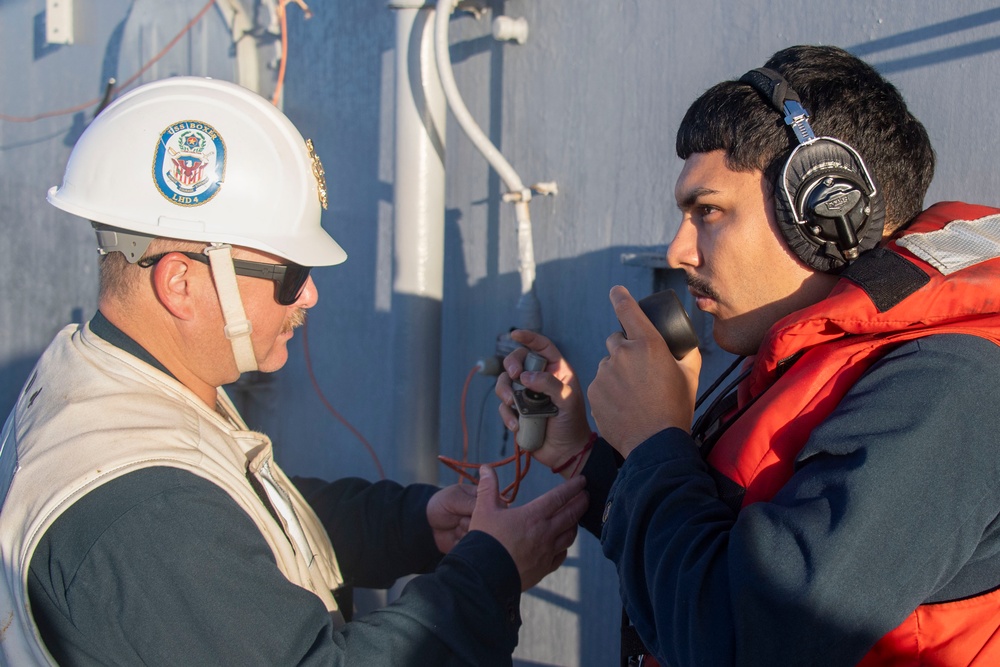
(735, 340)
(725, 338)
(275, 361)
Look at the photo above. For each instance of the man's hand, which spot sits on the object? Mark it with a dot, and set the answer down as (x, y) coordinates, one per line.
(537, 534)
(640, 389)
(567, 432)
(449, 512)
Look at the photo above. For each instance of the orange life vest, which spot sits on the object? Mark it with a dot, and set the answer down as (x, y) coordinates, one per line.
(810, 360)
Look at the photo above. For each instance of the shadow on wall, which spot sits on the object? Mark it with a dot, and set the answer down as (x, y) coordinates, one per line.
(970, 49)
(576, 311)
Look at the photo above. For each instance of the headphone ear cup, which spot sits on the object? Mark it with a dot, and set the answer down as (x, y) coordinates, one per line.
(826, 167)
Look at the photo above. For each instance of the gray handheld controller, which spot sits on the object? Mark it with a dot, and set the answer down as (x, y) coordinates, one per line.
(533, 408)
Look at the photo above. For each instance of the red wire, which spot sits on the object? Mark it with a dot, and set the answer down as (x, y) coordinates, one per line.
(170, 45)
(465, 426)
(282, 16)
(119, 88)
(577, 458)
(284, 52)
(333, 411)
(509, 493)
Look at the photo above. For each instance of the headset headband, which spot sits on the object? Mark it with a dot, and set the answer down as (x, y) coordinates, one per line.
(773, 87)
(815, 191)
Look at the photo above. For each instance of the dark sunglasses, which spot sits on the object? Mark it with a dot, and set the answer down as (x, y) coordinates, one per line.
(289, 278)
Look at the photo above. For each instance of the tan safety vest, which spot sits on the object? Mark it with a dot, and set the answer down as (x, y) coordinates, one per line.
(91, 412)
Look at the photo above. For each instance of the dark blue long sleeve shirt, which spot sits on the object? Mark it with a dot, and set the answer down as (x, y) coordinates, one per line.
(894, 502)
(161, 567)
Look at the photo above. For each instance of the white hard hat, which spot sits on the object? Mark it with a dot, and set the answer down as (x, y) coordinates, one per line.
(201, 160)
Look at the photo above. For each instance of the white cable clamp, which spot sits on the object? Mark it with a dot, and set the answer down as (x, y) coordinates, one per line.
(509, 29)
(522, 195)
(546, 188)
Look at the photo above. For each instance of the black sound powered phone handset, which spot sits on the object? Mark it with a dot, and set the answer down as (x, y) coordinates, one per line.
(666, 313)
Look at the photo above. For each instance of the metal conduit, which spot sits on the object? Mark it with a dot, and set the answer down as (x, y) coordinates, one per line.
(418, 244)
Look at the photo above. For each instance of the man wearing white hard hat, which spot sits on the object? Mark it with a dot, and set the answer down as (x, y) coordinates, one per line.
(141, 520)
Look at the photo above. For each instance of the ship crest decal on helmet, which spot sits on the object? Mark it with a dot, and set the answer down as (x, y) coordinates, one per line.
(189, 163)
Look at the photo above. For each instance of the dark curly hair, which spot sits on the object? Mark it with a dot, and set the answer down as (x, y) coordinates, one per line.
(846, 99)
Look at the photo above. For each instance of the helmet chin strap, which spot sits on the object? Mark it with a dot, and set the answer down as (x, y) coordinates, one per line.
(238, 328)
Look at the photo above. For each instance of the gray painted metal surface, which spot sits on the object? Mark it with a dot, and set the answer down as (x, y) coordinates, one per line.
(591, 101)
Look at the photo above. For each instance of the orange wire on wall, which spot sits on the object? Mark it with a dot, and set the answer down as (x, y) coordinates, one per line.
(329, 407)
(283, 19)
(520, 457)
(118, 88)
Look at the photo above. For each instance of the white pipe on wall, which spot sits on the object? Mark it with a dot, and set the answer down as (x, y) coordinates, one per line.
(528, 308)
(418, 243)
(240, 26)
(461, 112)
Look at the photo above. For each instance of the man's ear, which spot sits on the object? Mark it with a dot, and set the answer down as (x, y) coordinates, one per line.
(175, 285)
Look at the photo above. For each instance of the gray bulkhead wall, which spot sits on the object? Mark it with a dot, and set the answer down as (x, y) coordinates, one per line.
(591, 101)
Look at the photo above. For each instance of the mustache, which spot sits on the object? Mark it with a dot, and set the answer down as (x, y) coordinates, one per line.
(295, 320)
(702, 286)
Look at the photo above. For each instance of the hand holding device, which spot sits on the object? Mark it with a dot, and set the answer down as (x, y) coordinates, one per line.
(642, 387)
(664, 310)
(533, 408)
(667, 314)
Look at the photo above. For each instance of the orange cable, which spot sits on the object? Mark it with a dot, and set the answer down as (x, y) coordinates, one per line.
(283, 18)
(164, 50)
(333, 411)
(509, 493)
(465, 426)
(116, 89)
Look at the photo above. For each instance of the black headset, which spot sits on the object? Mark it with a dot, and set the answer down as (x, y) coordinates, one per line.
(826, 201)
